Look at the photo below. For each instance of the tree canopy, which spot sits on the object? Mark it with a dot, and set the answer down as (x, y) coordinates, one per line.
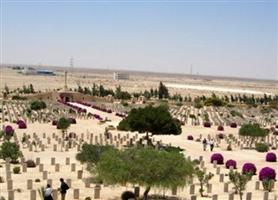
(156, 120)
(145, 166)
(37, 105)
(63, 124)
(91, 153)
(162, 91)
(252, 130)
(10, 150)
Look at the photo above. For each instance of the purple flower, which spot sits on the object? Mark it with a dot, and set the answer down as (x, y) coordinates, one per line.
(230, 163)
(9, 131)
(267, 173)
(271, 157)
(249, 168)
(190, 137)
(21, 124)
(218, 157)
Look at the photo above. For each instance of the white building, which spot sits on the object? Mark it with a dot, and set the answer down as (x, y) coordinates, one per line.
(120, 76)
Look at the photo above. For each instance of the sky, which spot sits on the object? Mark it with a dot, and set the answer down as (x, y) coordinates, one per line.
(222, 38)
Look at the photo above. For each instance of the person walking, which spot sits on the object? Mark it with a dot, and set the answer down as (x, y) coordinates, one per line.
(211, 145)
(63, 189)
(48, 193)
(205, 144)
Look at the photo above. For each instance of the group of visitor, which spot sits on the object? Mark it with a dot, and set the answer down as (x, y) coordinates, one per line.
(208, 142)
(63, 190)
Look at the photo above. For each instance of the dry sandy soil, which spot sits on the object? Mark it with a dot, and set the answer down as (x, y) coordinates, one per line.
(183, 84)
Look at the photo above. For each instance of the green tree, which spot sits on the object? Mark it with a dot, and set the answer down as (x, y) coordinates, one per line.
(203, 178)
(156, 120)
(252, 131)
(10, 150)
(145, 166)
(91, 154)
(37, 105)
(162, 91)
(239, 181)
(63, 124)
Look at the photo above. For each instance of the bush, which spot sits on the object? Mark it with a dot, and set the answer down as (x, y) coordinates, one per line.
(207, 124)
(190, 137)
(267, 173)
(262, 147)
(220, 128)
(249, 168)
(37, 105)
(229, 147)
(91, 153)
(54, 123)
(30, 164)
(63, 123)
(17, 97)
(271, 157)
(16, 170)
(10, 150)
(221, 136)
(21, 124)
(233, 125)
(88, 198)
(156, 120)
(230, 163)
(9, 131)
(218, 157)
(127, 195)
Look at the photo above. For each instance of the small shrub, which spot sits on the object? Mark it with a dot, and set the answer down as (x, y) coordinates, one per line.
(127, 195)
(88, 198)
(30, 164)
(220, 128)
(267, 173)
(262, 147)
(233, 125)
(207, 124)
(218, 157)
(220, 136)
(230, 163)
(196, 161)
(271, 157)
(229, 147)
(37, 180)
(249, 168)
(16, 170)
(268, 184)
(190, 137)
(9, 131)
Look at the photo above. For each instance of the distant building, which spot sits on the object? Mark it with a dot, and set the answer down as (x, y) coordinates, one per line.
(33, 71)
(45, 72)
(29, 71)
(120, 76)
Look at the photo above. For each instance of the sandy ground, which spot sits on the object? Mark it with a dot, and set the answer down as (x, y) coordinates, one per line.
(192, 149)
(137, 82)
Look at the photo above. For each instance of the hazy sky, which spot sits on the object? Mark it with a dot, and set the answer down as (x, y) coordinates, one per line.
(227, 38)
